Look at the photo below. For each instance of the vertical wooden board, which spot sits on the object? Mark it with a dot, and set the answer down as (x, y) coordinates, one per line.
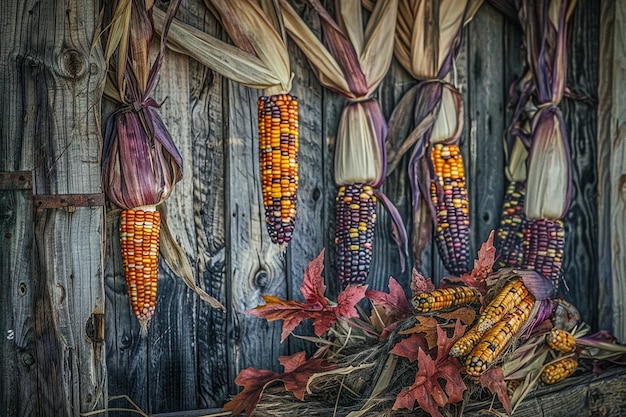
(18, 390)
(255, 265)
(56, 76)
(580, 258)
(386, 260)
(482, 150)
(606, 82)
(207, 168)
(172, 347)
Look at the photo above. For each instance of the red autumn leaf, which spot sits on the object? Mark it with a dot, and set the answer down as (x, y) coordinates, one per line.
(493, 380)
(427, 390)
(483, 266)
(427, 325)
(316, 305)
(298, 370)
(409, 346)
(395, 302)
(420, 284)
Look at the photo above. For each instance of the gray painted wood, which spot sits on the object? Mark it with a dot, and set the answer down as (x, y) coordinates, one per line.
(53, 295)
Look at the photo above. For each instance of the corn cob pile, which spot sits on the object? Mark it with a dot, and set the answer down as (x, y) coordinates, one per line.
(561, 340)
(354, 232)
(510, 233)
(278, 154)
(449, 196)
(139, 234)
(497, 325)
(543, 248)
(511, 295)
(443, 298)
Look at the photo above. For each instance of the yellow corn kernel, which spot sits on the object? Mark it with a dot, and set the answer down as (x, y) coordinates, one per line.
(558, 371)
(495, 340)
(278, 155)
(561, 340)
(139, 235)
(444, 298)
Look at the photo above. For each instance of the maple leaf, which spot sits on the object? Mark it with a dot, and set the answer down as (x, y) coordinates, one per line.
(427, 389)
(394, 302)
(316, 305)
(465, 314)
(427, 325)
(298, 370)
(483, 266)
(493, 380)
(420, 284)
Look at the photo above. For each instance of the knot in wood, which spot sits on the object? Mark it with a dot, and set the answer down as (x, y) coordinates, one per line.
(261, 278)
(72, 65)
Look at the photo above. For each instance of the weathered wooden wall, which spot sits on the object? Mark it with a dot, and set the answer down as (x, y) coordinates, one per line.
(192, 352)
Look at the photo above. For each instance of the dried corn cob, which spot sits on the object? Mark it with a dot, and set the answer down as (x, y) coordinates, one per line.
(543, 248)
(442, 298)
(561, 340)
(449, 196)
(558, 371)
(140, 257)
(278, 153)
(354, 232)
(506, 300)
(497, 338)
(510, 234)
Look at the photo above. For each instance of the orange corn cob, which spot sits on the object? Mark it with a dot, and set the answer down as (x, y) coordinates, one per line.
(498, 337)
(354, 232)
(558, 371)
(561, 340)
(278, 154)
(442, 298)
(140, 257)
(449, 195)
(509, 297)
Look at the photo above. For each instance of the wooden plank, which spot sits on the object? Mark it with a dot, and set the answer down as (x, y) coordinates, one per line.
(255, 265)
(482, 144)
(612, 169)
(580, 258)
(52, 76)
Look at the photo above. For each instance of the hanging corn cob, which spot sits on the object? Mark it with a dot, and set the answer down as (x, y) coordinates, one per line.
(277, 108)
(356, 217)
(449, 196)
(278, 152)
(140, 162)
(509, 297)
(352, 61)
(443, 298)
(495, 340)
(558, 371)
(510, 233)
(542, 248)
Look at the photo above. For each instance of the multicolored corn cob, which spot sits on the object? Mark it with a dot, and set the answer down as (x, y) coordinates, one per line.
(498, 337)
(354, 232)
(443, 298)
(543, 248)
(278, 153)
(140, 257)
(506, 300)
(510, 233)
(449, 196)
(558, 371)
(561, 340)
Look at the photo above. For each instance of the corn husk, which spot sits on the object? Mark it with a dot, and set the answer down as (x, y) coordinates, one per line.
(549, 165)
(140, 163)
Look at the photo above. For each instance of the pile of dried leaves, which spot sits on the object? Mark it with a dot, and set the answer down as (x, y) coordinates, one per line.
(391, 361)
